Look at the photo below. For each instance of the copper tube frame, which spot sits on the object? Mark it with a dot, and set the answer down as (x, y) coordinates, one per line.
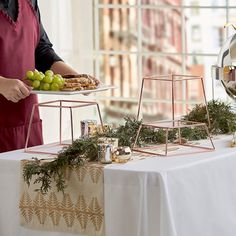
(52, 104)
(167, 126)
(172, 78)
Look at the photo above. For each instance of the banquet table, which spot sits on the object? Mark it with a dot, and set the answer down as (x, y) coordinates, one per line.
(177, 195)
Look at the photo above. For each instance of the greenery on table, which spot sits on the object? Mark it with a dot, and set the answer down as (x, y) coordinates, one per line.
(80, 151)
(223, 121)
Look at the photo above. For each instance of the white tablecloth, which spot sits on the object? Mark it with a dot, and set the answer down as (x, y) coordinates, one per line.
(161, 196)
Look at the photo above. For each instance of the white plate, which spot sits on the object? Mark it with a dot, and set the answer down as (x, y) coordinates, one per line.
(99, 89)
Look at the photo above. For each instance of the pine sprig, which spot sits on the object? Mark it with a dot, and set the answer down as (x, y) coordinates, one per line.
(77, 154)
(223, 121)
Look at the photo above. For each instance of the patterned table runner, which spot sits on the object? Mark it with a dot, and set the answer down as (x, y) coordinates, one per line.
(79, 210)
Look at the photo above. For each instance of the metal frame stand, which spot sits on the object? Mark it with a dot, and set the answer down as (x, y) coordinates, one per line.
(173, 123)
(59, 104)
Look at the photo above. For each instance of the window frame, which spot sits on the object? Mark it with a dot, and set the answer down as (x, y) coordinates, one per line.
(97, 53)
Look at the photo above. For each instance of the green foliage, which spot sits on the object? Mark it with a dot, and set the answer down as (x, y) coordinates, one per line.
(80, 151)
(222, 120)
(125, 133)
(191, 134)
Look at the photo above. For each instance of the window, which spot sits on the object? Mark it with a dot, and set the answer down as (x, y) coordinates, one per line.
(138, 37)
(195, 8)
(196, 33)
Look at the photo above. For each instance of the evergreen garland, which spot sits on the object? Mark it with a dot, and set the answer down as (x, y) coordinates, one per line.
(223, 121)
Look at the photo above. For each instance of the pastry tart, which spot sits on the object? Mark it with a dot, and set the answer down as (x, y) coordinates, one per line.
(80, 82)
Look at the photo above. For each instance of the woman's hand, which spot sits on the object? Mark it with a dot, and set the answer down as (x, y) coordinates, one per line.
(14, 89)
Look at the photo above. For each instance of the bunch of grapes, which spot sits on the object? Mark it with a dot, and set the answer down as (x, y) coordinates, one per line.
(45, 81)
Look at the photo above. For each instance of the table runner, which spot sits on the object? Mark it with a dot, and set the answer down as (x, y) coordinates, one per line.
(79, 210)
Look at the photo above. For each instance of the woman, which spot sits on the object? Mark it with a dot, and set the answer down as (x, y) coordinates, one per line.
(24, 46)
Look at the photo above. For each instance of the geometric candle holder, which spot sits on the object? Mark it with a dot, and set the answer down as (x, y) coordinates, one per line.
(168, 125)
(60, 104)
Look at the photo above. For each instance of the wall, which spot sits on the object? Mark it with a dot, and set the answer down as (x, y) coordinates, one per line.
(69, 26)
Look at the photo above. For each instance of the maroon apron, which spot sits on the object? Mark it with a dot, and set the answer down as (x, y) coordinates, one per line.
(18, 41)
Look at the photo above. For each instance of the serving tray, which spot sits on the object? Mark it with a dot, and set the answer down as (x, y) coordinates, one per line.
(99, 89)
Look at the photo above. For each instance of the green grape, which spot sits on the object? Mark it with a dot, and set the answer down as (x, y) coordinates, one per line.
(39, 76)
(58, 80)
(36, 84)
(58, 75)
(54, 87)
(61, 85)
(48, 79)
(41, 86)
(46, 86)
(41, 73)
(30, 75)
(49, 73)
(36, 73)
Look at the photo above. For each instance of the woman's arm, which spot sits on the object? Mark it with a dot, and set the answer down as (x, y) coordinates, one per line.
(59, 67)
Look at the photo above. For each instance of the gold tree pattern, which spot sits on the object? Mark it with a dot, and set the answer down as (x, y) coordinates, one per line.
(68, 212)
(81, 173)
(95, 173)
(79, 209)
(53, 207)
(26, 208)
(40, 209)
(81, 212)
(96, 213)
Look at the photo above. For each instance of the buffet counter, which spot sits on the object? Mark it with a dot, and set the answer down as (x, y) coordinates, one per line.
(180, 195)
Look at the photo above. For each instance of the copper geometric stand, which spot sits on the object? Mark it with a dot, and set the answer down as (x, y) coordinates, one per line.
(168, 125)
(59, 104)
